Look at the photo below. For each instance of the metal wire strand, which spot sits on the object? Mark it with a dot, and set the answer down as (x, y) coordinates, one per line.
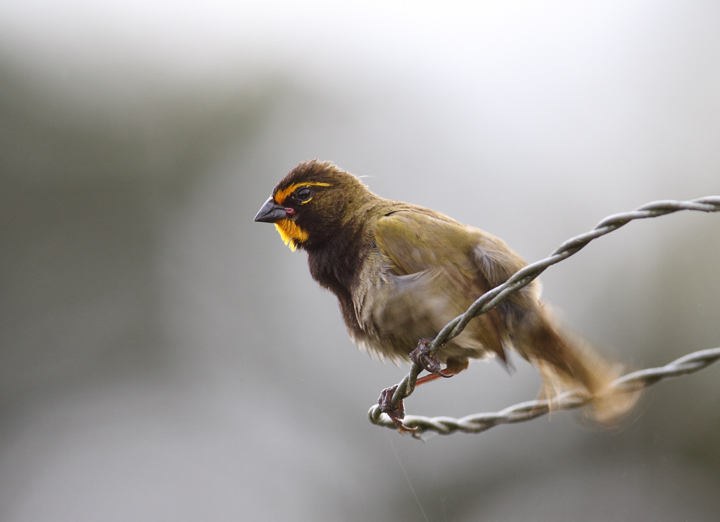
(521, 278)
(525, 411)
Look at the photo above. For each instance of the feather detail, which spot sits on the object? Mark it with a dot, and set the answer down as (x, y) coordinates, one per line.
(291, 234)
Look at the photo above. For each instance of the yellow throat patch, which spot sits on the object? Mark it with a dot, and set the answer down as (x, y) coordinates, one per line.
(290, 233)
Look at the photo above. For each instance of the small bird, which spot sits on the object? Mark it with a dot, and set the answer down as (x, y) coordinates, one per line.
(401, 272)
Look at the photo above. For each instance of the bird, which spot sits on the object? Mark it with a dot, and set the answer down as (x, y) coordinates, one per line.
(401, 272)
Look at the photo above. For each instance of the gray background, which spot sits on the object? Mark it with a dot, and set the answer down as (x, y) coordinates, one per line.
(164, 358)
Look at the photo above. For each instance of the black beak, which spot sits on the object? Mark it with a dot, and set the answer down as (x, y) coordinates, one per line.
(271, 212)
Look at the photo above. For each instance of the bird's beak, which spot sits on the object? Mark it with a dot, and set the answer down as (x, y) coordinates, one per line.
(271, 212)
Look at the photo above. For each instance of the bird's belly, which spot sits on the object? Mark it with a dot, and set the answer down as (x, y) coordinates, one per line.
(401, 310)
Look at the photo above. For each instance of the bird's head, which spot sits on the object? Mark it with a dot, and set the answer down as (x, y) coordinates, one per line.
(312, 203)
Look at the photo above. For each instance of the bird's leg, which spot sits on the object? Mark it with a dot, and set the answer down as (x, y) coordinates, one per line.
(429, 378)
(452, 367)
(421, 355)
(395, 412)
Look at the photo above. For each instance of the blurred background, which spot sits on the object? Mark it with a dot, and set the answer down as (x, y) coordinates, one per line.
(164, 358)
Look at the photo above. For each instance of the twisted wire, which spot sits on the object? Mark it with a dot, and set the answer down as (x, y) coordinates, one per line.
(523, 277)
(525, 411)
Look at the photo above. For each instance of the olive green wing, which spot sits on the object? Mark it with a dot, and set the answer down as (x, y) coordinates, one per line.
(415, 241)
(438, 268)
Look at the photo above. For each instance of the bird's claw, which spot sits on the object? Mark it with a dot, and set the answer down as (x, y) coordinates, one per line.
(421, 355)
(396, 412)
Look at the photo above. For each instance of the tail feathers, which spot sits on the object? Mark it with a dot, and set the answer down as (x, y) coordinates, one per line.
(567, 364)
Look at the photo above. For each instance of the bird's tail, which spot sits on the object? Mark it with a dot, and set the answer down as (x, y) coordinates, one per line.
(566, 363)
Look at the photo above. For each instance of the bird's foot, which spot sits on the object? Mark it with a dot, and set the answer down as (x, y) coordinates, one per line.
(421, 355)
(396, 412)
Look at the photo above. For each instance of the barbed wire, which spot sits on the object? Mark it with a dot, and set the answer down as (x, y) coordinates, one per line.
(529, 410)
(521, 278)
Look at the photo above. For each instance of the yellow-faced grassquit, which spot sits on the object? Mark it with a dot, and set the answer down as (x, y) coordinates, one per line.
(401, 272)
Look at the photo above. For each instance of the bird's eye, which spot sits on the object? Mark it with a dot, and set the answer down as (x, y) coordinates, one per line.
(303, 194)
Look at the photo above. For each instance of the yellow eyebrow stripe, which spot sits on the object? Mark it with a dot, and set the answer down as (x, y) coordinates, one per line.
(284, 193)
